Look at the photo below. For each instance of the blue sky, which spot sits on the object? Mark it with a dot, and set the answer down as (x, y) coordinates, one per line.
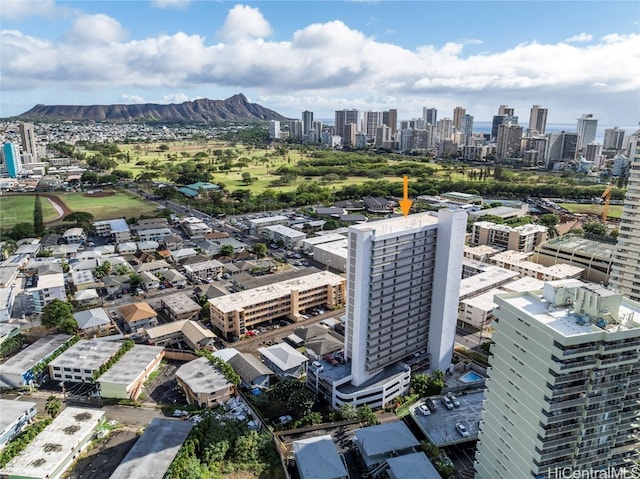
(572, 57)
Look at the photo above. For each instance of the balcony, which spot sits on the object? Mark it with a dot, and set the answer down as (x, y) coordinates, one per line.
(562, 417)
(555, 406)
(570, 390)
(568, 440)
(555, 454)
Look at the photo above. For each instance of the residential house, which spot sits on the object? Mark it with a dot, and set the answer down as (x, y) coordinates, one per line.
(74, 236)
(16, 415)
(205, 269)
(128, 247)
(203, 383)
(174, 277)
(44, 289)
(149, 281)
(148, 246)
(285, 361)
(252, 372)
(138, 316)
(95, 323)
(117, 229)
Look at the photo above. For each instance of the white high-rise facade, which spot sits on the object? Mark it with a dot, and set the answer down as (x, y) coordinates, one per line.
(625, 269)
(586, 129)
(613, 138)
(28, 137)
(372, 120)
(563, 393)
(403, 281)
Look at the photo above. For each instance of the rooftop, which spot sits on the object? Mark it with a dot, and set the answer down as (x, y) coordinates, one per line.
(180, 303)
(566, 318)
(12, 411)
(491, 278)
(598, 249)
(137, 312)
(385, 438)
(413, 466)
(286, 231)
(87, 354)
(268, 219)
(243, 299)
(398, 224)
(323, 239)
(318, 458)
(32, 355)
(91, 318)
(283, 356)
(153, 452)
(51, 448)
(202, 377)
(131, 365)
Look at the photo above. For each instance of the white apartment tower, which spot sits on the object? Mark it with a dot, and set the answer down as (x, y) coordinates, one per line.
(372, 120)
(613, 138)
(538, 119)
(28, 137)
(625, 269)
(563, 393)
(274, 129)
(586, 129)
(403, 282)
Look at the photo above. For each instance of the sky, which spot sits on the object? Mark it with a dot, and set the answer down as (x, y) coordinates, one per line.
(572, 57)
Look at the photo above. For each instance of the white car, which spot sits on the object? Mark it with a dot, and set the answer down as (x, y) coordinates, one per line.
(447, 402)
(462, 430)
(424, 410)
(454, 400)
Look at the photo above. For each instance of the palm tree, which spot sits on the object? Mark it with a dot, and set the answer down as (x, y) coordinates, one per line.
(53, 406)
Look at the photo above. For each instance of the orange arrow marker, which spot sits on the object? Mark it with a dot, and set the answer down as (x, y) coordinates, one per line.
(405, 204)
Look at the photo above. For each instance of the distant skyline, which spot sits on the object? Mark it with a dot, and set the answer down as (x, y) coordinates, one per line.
(571, 57)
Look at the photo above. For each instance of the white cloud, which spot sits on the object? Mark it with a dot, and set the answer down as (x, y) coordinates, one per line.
(244, 22)
(314, 64)
(177, 4)
(581, 37)
(97, 28)
(133, 99)
(19, 9)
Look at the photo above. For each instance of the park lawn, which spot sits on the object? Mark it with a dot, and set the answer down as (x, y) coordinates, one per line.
(118, 205)
(19, 209)
(615, 211)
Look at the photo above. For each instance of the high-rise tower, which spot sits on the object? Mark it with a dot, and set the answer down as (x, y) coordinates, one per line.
(430, 115)
(403, 281)
(625, 268)
(613, 138)
(458, 113)
(28, 137)
(587, 126)
(390, 118)
(307, 122)
(563, 393)
(345, 117)
(11, 156)
(538, 119)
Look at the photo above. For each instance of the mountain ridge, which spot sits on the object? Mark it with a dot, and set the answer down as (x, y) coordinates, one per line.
(234, 108)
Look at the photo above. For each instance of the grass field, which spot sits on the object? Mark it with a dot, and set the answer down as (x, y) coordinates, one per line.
(19, 209)
(615, 211)
(102, 208)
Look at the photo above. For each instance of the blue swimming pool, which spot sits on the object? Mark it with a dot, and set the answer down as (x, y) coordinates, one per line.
(470, 377)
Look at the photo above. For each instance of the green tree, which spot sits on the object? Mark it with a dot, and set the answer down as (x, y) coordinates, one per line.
(135, 280)
(260, 249)
(348, 411)
(56, 313)
(38, 221)
(83, 218)
(595, 229)
(21, 231)
(301, 400)
(227, 250)
(367, 415)
(163, 147)
(550, 220)
(52, 406)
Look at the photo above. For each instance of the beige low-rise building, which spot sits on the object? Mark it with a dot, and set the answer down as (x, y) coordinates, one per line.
(519, 262)
(179, 306)
(520, 238)
(235, 313)
(191, 333)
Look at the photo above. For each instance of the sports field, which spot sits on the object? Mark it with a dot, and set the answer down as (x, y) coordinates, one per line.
(119, 205)
(19, 209)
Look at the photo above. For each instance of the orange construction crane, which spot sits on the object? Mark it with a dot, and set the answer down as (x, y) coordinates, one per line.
(607, 199)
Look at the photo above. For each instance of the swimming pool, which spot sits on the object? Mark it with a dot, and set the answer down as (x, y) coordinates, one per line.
(470, 377)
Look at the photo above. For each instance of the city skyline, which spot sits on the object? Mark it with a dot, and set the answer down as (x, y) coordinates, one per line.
(327, 56)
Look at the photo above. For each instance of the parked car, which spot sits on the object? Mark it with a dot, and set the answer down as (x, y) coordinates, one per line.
(462, 430)
(454, 400)
(284, 419)
(433, 407)
(447, 402)
(424, 410)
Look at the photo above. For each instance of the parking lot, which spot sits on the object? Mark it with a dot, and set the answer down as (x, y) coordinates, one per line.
(440, 426)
